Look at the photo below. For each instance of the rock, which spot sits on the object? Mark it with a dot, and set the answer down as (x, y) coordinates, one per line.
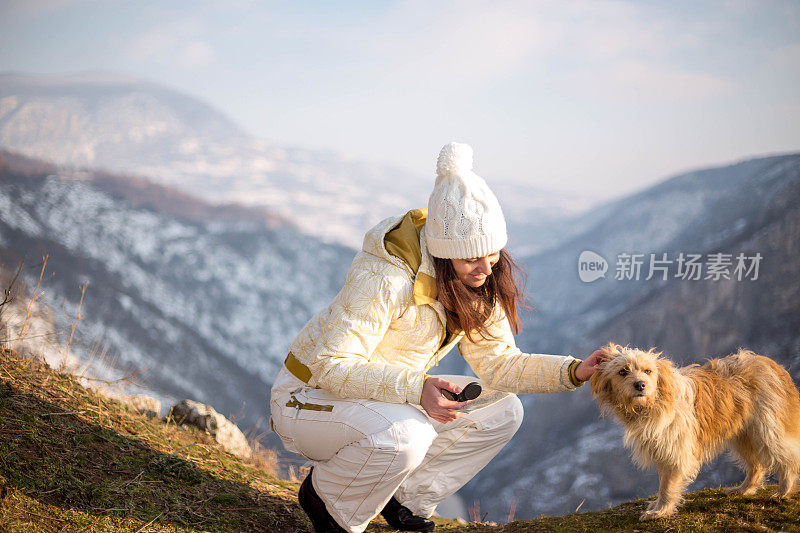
(225, 432)
(143, 404)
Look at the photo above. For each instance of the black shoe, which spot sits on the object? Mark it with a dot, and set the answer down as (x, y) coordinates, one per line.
(401, 518)
(314, 507)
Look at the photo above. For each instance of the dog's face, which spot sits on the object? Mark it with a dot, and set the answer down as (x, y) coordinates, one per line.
(628, 379)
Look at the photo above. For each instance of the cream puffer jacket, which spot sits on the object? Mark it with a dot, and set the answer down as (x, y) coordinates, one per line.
(386, 328)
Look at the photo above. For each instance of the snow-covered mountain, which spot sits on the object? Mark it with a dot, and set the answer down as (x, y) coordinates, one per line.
(695, 212)
(563, 453)
(204, 299)
(128, 125)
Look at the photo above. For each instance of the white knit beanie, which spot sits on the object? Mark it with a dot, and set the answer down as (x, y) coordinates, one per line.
(464, 217)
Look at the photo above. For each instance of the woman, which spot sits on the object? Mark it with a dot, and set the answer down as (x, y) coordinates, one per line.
(353, 396)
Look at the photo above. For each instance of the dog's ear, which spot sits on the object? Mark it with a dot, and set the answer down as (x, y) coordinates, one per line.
(601, 383)
(602, 389)
(609, 352)
(667, 387)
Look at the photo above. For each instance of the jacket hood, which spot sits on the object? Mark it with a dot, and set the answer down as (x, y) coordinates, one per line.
(401, 241)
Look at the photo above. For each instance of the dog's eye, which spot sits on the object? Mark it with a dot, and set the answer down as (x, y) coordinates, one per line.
(623, 372)
(648, 371)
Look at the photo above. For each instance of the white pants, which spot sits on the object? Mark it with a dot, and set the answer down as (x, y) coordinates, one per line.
(365, 451)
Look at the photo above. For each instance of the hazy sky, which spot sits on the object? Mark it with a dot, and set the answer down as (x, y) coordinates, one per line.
(597, 97)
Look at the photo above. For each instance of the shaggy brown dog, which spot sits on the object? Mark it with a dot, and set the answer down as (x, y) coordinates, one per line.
(678, 418)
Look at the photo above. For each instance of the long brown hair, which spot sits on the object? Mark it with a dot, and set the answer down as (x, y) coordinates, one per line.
(468, 309)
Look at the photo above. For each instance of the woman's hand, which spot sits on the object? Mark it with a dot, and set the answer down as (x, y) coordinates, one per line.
(589, 366)
(437, 406)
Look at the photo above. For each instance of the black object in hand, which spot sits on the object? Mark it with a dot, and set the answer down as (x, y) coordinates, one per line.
(470, 392)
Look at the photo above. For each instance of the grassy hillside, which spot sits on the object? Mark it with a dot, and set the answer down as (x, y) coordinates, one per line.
(74, 460)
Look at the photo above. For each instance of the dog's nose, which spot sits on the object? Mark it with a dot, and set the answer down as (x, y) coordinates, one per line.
(639, 385)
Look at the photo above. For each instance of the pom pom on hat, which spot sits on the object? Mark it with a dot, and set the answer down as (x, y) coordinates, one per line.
(455, 158)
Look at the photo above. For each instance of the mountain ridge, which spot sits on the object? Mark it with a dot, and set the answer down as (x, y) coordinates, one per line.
(209, 305)
(144, 129)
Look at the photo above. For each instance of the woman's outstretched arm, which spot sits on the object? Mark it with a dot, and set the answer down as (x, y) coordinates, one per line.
(503, 366)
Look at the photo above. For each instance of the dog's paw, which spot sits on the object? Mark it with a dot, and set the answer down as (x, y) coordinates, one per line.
(654, 512)
(650, 515)
(741, 491)
(779, 496)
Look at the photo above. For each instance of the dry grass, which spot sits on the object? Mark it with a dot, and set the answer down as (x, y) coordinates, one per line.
(74, 323)
(34, 297)
(8, 292)
(704, 511)
(76, 460)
